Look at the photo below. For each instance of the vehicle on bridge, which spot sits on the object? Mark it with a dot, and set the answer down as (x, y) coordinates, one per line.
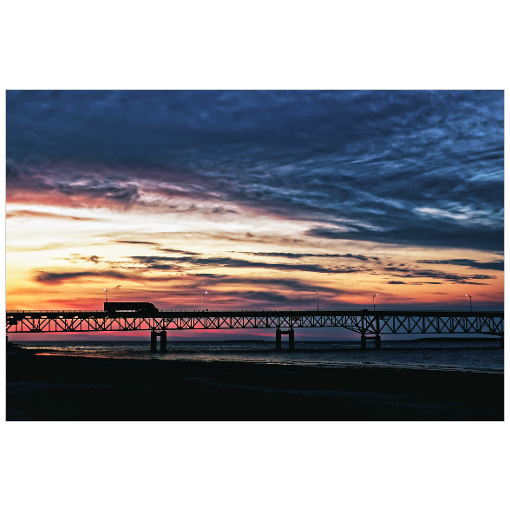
(128, 306)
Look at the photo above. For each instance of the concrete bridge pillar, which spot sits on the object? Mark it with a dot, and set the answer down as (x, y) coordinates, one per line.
(363, 341)
(279, 334)
(154, 341)
(377, 333)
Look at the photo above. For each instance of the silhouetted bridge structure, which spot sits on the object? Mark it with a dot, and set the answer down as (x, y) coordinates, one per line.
(369, 324)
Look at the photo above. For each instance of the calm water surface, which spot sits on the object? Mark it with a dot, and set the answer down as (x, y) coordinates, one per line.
(456, 355)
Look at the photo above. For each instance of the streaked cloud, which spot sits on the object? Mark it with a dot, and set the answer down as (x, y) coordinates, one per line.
(258, 195)
(55, 278)
(425, 273)
(138, 242)
(306, 255)
(496, 265)
(376, 166)
(26, 213)
(190, 263)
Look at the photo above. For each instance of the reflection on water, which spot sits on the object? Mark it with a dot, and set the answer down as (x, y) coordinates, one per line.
(422, 355)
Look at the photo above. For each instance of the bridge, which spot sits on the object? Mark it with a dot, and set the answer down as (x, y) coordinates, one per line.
(369, 324)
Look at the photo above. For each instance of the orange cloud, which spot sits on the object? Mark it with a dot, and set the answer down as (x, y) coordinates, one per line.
(25, 213)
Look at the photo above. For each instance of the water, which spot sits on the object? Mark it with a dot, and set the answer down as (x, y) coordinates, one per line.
(449, 355)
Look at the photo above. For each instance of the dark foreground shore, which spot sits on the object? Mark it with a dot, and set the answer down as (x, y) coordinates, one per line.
(74, 388)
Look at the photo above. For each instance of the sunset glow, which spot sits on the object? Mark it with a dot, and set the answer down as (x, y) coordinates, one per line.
(262, 199)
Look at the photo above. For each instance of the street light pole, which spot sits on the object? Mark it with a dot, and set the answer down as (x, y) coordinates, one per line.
(106, 295)
(317, 299)
(203, 308)
(373, 300)
(470, 307)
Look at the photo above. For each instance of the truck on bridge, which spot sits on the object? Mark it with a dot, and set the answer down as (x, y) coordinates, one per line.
(128, 306)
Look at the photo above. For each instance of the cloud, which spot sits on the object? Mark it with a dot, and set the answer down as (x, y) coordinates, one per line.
(76, 257)
(48, 246)
(25, 213)
(496, 265)
(137, 266)
(138, 242)
(261, 296)
(425, 273)
(57, 278)
(421, 234)
(70, 186)
(283, 283)
(60, 277)
(171, 250)
(304, 255)
(153, 127)
(109, 189)
(209, 275)
(417, 168)
(190, 263)
(158, 247)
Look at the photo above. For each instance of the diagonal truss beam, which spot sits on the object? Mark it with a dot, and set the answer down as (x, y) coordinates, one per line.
(360, 321)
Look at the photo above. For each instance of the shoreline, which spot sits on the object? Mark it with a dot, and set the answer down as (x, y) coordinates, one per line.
(53, 387)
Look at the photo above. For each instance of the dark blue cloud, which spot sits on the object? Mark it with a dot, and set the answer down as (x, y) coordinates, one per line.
(56, 278)
(496, 265)
(411, 167)
(419, 232)
(161, 128)
(191, 263)
(440, 275)
(305, 255)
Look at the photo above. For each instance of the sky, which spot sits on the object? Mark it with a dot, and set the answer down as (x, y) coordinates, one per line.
(262, 199)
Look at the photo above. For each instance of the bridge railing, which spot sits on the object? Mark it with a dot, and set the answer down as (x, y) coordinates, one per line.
(299, 310)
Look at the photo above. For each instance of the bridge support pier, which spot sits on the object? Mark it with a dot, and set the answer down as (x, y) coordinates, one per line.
(377, 339)
(278, 340)
(154, 341)
(279, 334)
(162, 341)
(502, 341)
(377, 333)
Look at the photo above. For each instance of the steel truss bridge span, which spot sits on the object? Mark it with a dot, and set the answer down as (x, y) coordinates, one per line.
(364, 322)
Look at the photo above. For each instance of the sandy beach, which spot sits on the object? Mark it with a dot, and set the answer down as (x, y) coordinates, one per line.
(77, 388)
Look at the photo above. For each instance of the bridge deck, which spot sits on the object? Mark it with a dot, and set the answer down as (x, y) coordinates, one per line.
(362, 321)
